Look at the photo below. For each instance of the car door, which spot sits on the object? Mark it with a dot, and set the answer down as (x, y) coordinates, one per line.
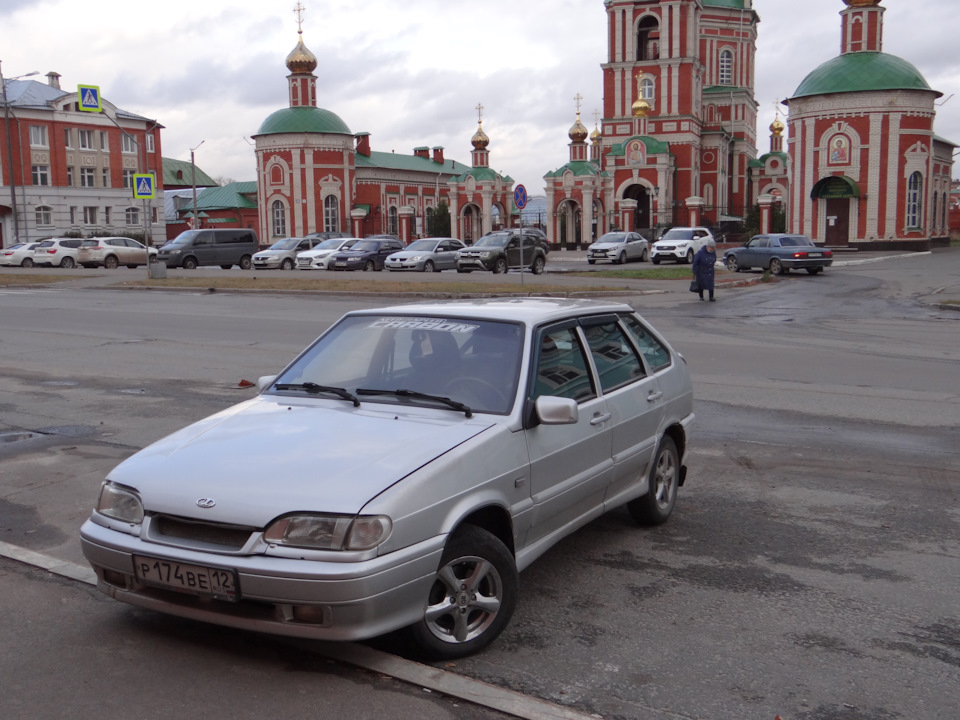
(634, 246)
(570, 465)
(446, 256)
(752, 254)
(634, 400)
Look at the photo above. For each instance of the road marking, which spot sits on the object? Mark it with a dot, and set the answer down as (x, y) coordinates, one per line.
(427, 677)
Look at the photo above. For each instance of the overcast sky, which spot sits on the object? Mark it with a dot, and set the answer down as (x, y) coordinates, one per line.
(410, 73)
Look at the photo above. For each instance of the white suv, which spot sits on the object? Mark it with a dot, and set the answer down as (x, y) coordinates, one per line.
(60, 252)
(679, 244)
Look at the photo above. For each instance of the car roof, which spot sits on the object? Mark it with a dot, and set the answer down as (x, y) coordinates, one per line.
(530, 311)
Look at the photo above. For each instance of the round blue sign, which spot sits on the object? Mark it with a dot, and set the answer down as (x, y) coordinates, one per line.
(520, 197)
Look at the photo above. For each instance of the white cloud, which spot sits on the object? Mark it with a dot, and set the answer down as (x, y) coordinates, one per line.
(409, 73)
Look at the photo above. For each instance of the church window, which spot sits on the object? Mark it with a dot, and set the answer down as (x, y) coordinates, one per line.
(393, 226)
(647, 88)
(648, 39)
(279, 213)
(276, 175)
(726, 67)
(914, 201)
(331, 214)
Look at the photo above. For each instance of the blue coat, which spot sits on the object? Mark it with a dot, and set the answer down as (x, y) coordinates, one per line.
(703, 263)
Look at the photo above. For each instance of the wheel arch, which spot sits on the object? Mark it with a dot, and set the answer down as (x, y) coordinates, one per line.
(677, 433)
(495, 520)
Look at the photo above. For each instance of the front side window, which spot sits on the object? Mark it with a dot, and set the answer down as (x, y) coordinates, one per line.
(38, 136)
(86, 177)
(914, 200)
(562, 366)
(132, 216)
(41, 175)
(331, 214)
(44, 215)
(279, 213)
(726, 67)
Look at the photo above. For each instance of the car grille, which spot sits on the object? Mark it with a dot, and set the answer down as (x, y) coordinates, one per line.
(191, 533)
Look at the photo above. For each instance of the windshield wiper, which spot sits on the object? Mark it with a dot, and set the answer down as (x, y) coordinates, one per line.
(312, 387)
(419, 396)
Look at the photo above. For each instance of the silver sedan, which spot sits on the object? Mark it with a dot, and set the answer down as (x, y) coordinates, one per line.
(460, 441)
(426, 255)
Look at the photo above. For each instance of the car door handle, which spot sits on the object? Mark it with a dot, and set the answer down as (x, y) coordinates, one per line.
(599, 419)
(654, 396)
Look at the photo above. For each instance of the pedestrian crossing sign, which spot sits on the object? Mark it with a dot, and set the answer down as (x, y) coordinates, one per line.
(88, 98)
(144, 186)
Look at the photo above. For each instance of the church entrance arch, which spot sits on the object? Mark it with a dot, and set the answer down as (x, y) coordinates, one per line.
(568, 230)
(471, 224)
(835, 194)
(642, 216)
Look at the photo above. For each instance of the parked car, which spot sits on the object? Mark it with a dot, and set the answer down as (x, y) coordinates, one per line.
(426, 255)
(329, 235)
(283, 253)
(679, 244)
(460, 441)
(60, 252)
(779, 253)
(618, 247)
(367, 254)
(319, 257)
(111, 252)
(226, 248)
(501, 251)
(19, 255)
(538, 235)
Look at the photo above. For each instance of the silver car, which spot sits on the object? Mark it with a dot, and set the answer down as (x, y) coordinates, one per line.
(460, 441)
(618, 247)
(282, 254)
(426, 255)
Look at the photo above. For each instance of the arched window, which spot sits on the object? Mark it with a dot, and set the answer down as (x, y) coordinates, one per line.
(279, 213)
(44, 215)
(276, 175)
(647, 88)
(648, 39)
(132, 216)
(393, 224)
(331, 214)
(914, 200)
(726, 67)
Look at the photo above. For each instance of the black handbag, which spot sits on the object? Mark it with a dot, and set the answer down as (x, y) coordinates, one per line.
(694, 286)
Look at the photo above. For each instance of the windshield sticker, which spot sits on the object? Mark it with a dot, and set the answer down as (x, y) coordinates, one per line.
(437, 324)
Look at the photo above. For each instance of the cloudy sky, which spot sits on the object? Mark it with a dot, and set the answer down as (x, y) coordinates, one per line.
(410, 73)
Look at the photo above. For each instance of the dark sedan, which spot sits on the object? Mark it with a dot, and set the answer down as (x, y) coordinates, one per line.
(367, 254)
(779, 253)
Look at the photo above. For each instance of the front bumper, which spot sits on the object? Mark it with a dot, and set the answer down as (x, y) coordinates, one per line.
(670, 253)
(403, 264)
(472, 263)
(270, 263)
(344, 601)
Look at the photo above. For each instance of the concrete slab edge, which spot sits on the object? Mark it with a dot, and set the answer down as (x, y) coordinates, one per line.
(424, 676)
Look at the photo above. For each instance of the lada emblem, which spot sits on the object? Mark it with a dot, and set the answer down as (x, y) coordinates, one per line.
(206, 503)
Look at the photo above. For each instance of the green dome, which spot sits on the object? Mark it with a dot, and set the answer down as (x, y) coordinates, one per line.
(861, 71)
(303, 120)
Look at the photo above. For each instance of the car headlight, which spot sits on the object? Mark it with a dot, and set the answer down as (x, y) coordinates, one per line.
(415, 258)
(485, 255)
(120, 503)
(353, 259)
(173, 252)
(330, 532)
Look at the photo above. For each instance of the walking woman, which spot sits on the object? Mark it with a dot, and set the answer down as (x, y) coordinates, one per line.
(703, 263)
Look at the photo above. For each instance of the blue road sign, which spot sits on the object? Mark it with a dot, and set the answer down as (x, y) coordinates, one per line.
(520, 197)
(143, 186)
(88, 98)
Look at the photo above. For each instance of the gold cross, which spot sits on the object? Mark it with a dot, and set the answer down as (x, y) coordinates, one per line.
(299, 10)
(578, 98)
(479, 110)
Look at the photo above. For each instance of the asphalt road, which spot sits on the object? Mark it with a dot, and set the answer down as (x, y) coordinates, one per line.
(810, 570)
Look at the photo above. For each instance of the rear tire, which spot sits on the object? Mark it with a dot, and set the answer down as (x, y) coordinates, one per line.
(110, 262)
(538, 265)
(472, 598)
(655, 507)
(26, 263)
(776, 267)
(68, 262)
(246, 262)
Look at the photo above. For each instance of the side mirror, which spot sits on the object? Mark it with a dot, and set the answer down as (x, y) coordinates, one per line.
(551, 410)
(265, 382)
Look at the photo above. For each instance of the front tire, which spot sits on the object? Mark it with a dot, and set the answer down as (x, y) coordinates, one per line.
(369, 266)
(655, 507)
(287, 264)
(472, 598)
(622, 260)
(655, 259)
(815, 271)
(428, 266)
(190, 263)
(689, 258)
(500, 267)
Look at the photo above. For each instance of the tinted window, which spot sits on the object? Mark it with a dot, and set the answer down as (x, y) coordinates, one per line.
(678, 234)
(614, 357)
(653, 351)
(562, 367)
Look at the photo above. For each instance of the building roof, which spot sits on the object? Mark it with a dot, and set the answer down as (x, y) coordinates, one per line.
(736, 4)
(304, 119)
(179, 174)
(653, 145)
(229, 197)
(578, 168)
(862, 71)
(416, 163)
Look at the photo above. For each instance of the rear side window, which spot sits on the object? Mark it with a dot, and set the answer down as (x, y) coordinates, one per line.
(614, 357)
(653, 351)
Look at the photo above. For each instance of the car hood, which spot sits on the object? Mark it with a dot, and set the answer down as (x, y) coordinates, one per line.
(606, 246)
(355, 253)
(316, 253)
(262, 253)
(403, 254)
(270, 456)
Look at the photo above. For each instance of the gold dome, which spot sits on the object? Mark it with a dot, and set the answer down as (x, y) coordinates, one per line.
(641, 108)
(777, 127)
(578, 132)
(480, 139)
(862, 3)
(596, 135)
(301, 61)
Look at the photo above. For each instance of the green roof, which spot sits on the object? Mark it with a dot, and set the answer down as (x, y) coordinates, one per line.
(171, 180)
(416, 163)
(862, 71)
(303, 120)
(578, 168)
(737, 4)
(762, 160)
(654, 146)
(227, 197)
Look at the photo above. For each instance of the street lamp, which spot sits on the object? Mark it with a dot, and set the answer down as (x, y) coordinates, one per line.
(193, 171)
(6, 117)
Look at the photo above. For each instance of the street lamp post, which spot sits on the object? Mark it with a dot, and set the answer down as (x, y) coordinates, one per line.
(6, 118)
(193, 173)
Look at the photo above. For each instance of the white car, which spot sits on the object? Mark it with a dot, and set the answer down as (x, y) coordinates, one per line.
(460, 441)
(319, 257)
(57, 252)
(19, 255)
(679, 244)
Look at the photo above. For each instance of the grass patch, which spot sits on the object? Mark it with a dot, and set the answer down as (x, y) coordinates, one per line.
(9, 280)
(673, 272)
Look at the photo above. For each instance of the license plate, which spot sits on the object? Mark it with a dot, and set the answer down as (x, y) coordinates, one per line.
(340, 263)
(815, 255)
(194, 579)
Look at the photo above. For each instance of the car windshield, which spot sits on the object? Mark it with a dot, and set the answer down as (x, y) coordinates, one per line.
(612, 238)
(795, 242)
(285, 244)
(331, 244)
(184, 238)
(473, 362)
(423, 245)
(678, 234)
(495, 240)
(366, 246)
